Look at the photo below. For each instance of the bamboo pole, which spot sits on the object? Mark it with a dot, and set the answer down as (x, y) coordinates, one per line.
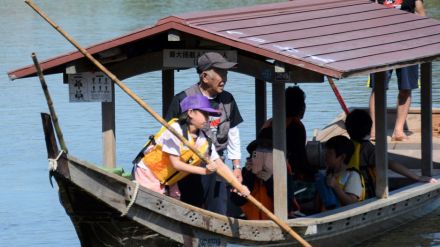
(228, 176)
(49, 103)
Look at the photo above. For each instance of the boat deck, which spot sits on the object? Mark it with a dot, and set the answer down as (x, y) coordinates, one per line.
(408, 151)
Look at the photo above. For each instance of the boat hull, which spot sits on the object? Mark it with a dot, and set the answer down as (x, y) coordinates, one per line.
(109, 210)
(98, 224)
(157, 220)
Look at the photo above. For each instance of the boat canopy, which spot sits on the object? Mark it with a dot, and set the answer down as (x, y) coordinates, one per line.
(328, 37)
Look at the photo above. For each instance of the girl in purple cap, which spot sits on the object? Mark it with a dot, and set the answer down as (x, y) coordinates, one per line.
(165, 159)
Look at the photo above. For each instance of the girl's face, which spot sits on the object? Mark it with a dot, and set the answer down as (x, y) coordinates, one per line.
(198, 118)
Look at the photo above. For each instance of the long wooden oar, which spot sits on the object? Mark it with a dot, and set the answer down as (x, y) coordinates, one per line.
(228, 176)
(50, 104)
(338, 95)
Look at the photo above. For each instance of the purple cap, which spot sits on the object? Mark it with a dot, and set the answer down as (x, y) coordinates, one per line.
(198, 102)
(213, 60)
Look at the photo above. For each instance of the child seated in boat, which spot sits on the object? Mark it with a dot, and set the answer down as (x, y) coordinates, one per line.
(258, 177)
(341, 185)
(358, 124)
(255, 178)
(165, 159)
(298, 169)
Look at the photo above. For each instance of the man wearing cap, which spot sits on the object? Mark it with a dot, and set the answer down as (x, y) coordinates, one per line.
(223, 131)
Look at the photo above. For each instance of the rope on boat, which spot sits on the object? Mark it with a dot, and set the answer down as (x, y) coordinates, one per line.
(133, 199)
(53, 163)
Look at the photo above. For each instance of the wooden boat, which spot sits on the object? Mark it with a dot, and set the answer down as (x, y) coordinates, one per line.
(95, 200)
(110, 210)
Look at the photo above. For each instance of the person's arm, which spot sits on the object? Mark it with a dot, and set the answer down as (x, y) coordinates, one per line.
(182, 166)
(243, 190)
(402, 170)
(237, 170)
(234, 152)
(344, 197)
(420, 9)
(172, 146)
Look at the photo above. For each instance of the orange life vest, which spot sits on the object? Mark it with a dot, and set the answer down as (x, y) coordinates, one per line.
(259, 192)
(159, 162)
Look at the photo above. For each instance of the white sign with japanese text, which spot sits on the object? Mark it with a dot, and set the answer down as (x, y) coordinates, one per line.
(184, 58)
(90, 87)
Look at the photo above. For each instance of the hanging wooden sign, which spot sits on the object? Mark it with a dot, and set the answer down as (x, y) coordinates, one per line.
(187, 58)
(89, 87)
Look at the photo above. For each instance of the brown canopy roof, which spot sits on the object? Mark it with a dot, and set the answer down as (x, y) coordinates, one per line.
(338, 38)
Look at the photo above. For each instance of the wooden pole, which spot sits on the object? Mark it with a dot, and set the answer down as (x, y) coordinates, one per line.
(279, 148)
(260, 105)
(426, 112)
(338, 95)
(51, 146)
(108, 122)
(167, 89)
(380, 108)
(49, 103)
(228, 176)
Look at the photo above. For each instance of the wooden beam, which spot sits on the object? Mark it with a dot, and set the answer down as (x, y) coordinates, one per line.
(167, 89)
(426, 108)
(147, 62)
(302, 75)
(153, 61)
(381, 135)
(279, 150)
(264, 71)
(144, 63)
(109, 131)
(260, 105)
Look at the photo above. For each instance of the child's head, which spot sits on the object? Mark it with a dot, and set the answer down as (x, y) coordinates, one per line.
(196, 109)
(295, 102)
(358, 124)
(339, 149)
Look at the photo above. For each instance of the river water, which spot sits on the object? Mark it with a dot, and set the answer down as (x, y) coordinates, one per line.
(30, 212)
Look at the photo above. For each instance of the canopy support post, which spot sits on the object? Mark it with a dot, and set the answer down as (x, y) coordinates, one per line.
(381, 135)
(109, 131)
(167, 89)
(279, 150)
(426, 111)
(260, 105)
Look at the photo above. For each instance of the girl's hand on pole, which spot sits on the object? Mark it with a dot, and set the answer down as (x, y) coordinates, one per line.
(244, 191)
(211, 167)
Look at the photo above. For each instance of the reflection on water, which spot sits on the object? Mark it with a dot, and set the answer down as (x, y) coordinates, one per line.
(422, 232)
(30, 213)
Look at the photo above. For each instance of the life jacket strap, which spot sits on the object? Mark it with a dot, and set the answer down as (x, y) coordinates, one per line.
(141, 153)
